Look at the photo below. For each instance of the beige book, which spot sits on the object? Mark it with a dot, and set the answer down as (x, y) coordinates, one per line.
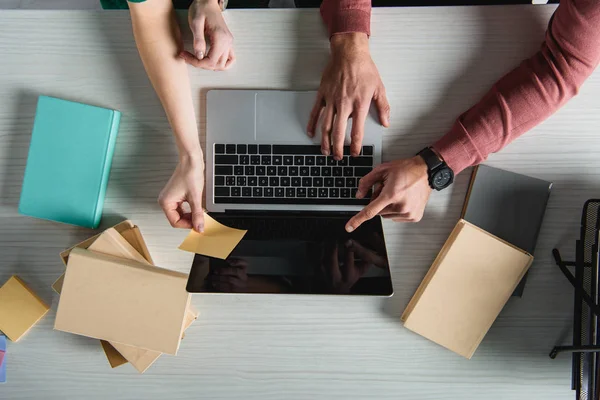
(127, 230)
(137, 356)
(123, 301)
(465, 289)
(120, 227)
(133, 236)
(20, 308)
(142, 359)
(112, 243)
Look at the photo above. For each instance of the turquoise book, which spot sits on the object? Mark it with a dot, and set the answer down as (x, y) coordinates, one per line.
(69, 162)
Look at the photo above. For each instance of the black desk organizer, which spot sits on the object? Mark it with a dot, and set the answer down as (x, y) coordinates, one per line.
(586, 329)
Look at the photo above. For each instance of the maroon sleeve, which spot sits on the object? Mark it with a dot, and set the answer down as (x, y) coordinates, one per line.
(533, 91)
(345, 16)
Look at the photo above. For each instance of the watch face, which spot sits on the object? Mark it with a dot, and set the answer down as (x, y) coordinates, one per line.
(442, 178)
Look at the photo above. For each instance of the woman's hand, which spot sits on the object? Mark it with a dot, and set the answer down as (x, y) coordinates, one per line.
(207, 23)
(185, 186)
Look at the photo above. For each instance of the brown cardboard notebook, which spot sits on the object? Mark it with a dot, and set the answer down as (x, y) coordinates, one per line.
(120, 227)
(465, 289)
(112, 243)
(142, 359)
(134, 237)
(127, 230)
(117, 300)
(129, 244)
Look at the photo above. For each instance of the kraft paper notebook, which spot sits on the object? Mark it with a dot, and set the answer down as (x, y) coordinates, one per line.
(508, 205)
(69, 162)
(465, 289)
(122, 301)
(20, 308)
(142, 359)
(121, 227)
(127, 234)
(112, 243)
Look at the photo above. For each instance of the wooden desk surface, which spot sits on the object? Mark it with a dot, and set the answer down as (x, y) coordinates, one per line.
(435, 63)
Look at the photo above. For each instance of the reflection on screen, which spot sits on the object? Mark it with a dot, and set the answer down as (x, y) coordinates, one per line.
(311, 255)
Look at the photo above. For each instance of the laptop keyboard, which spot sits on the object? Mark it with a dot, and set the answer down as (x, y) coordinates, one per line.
(287, 174)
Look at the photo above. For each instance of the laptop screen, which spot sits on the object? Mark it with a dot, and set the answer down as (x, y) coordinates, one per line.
(297, 254)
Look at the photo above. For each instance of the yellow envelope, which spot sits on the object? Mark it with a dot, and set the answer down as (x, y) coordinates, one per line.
(217, 240)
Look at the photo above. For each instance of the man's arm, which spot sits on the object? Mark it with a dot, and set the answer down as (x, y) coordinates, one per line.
(158, 40)
(350, 81)
(533, 91)
(519, 101)
(345, 16)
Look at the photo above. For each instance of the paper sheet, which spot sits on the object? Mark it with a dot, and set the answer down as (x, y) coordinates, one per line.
(217, 240)
(118, 300)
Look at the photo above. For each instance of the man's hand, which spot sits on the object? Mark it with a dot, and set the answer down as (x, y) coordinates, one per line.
(207, 23)
(185, 186)
(402, 193)
(349, 83)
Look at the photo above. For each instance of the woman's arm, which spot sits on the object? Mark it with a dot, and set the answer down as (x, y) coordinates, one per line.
(533, 91)
(158, 40)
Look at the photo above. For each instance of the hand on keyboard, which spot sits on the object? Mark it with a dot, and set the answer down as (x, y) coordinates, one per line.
(402, 193)
(349, 83)
(185, 186)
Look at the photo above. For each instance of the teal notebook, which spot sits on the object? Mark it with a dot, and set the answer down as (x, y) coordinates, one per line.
(69, 161)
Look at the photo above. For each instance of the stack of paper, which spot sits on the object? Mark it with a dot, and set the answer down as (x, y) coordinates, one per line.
(111, 291)
(465, 289)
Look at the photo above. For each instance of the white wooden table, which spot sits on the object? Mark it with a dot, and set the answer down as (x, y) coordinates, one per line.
(435, 63)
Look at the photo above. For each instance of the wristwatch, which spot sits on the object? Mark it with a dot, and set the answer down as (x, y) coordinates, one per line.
(440, 174)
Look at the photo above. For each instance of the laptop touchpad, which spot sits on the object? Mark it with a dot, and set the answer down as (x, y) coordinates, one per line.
(282, 116)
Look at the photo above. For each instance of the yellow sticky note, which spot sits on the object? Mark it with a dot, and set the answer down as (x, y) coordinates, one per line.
(217, 240)
(20, 308)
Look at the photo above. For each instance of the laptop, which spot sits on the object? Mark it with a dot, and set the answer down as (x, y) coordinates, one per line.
(264, 174)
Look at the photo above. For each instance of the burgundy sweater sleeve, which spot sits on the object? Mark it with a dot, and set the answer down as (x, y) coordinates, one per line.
(533, 91)
(344, 16)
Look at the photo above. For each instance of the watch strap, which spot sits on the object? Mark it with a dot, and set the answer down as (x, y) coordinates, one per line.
(431, 159)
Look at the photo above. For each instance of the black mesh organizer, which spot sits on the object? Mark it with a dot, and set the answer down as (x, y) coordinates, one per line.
(586, 329)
